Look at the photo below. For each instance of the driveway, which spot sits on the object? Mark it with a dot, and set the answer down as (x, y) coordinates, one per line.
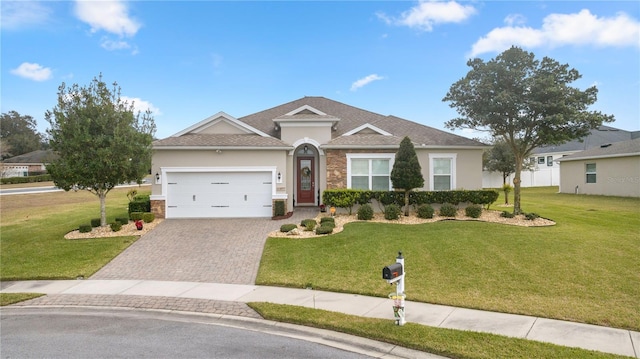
(198, 250)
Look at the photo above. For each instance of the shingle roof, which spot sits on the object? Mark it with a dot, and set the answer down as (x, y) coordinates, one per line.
(35, 157)
(597, 137)
(616, 149)
(220, 140)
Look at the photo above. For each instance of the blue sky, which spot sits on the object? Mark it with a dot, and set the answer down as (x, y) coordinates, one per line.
(189, 60)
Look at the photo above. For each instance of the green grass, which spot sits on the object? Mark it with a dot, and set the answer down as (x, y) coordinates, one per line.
(584, 269)
(11, 298)
(446, 342)
(33, 228)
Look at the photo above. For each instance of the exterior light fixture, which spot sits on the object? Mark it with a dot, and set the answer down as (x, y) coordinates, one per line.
(306, 148)
(157, 178)
(279, 177)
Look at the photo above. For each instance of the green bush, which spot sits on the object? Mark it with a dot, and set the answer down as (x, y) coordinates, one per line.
(122, 220)
(344, 198)
(392, 211)
(141, 203)
(279, 208)
(136, 216)
(328, 224)
(288, 227)
(425, 211)
(327, 219)
(506, 214)
(309, 224)
(365, 212)
(115, 226)
(531, 216)
(85, 228)
(324, 229)
(148, 217)
(473, 211)
(95, 222)
(448, 210)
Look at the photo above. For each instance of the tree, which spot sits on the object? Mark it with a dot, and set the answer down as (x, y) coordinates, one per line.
(100, 142)
(19, 133)
(499, 159)
(406, 173)
(525, 102)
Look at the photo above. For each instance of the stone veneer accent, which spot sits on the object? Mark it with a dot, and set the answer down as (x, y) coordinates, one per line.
(337, 165)
(157, 208)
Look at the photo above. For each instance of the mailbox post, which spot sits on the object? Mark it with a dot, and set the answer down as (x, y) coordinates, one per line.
(394, 273)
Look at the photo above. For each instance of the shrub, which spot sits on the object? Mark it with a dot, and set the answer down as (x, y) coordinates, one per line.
(308, 224)
(327, 219)
(85, 228)
(148, 217)
(328, 224)
(95, 222)
(324, 229)
(425, 211)
(116, 226)
(448, 210)
(136, 216)
(392, 211)
(140, 203)
(122, 220)
(365, 212)
(288, 227)
(506, 214)
(279, 208)
(531, 216)
(473, 211)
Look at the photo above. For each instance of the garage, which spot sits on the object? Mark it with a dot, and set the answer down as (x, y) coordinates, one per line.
(219, 194)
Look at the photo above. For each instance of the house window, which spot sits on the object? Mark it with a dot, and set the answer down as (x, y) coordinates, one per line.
(591, 172)
(442, 171)
(369, 171)
(549, 161)
(540, 160)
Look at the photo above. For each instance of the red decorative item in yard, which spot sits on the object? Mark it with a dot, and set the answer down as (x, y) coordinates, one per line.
(139, 225)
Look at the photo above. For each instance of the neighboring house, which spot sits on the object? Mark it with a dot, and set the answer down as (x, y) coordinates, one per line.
(26, 164)
(545, 170)
(611, 169)
(237, 167)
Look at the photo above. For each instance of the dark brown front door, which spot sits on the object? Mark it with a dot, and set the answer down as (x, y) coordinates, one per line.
(306, 181)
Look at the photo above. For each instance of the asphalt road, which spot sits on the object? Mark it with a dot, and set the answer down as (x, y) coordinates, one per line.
(98, 333)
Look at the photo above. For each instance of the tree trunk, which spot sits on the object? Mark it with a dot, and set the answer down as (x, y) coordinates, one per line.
(516, 187)
(103, 208)
(406, 203)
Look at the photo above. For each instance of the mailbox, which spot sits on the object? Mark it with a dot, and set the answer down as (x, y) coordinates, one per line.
(392, 271)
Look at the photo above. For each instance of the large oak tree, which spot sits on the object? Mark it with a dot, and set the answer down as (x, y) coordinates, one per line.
(525, 102)
(100, 141)
(19, 134)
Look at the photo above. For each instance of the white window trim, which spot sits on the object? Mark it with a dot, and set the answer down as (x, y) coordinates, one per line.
(369, 156)
(587, 173)
(450, 156)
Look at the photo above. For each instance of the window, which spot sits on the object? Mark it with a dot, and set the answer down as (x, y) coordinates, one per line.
(540, 160)
(549, 161)
(591, 172)
(442, 171)
(369, 171)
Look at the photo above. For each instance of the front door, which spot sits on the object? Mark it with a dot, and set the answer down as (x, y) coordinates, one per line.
(306, 181)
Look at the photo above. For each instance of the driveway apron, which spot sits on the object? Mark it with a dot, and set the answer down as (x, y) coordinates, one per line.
(198, 250)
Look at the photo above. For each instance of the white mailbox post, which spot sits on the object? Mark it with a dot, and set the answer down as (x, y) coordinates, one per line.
(395, 273)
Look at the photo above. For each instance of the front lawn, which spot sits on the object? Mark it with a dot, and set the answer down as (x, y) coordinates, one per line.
(583, 269)
(33, 227)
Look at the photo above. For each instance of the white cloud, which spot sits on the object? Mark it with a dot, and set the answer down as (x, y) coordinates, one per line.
(111, 45)
(111, 16)
(33, 72)
(141, 105)
(582, 28)
(515, 19)
(365, 81)
(429, 13)
(19, 14)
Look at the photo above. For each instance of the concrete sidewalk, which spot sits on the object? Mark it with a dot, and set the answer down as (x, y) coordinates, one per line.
(609, 340)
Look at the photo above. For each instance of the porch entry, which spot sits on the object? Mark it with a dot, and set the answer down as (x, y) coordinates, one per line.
(305, 181)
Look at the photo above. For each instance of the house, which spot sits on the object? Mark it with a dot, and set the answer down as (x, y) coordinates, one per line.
(545, 170)
(28, 164)
(238, 167)
(611, 169)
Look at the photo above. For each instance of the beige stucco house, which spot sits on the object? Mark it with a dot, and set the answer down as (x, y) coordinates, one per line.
(610, 169)
(238, 167)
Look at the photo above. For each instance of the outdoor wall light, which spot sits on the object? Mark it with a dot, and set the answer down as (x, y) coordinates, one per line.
(157, 178)
(306, 149)
(279, 177)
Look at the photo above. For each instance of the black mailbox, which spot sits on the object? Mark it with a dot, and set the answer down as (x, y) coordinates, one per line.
(392, 271)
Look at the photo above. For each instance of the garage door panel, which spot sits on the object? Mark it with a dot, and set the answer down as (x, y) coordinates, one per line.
(210, 195)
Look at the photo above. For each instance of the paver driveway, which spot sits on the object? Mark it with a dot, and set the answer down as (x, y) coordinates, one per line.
(198, 250)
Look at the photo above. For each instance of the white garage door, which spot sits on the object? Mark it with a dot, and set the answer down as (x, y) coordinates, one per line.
(219, 194)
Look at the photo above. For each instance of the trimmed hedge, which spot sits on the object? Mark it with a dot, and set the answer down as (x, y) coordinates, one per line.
(288, 227)
(122, 220)
(95, 222)
(425, 211)
(448, 210)
(140, 203)
(85, 228)
(473, 211)
(324, 229)
(392, 212)
(308, 224)
(279, 208)
(136, 216)
(365, 212)
(327, 219)
(148, 217)
(26, 179)
(116, 226)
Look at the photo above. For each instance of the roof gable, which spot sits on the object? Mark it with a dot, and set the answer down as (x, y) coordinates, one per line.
(367, 128)
(220, 123)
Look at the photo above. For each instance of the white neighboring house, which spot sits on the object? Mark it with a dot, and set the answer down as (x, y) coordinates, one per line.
(611, 169)
(26, 164)
(545, 167)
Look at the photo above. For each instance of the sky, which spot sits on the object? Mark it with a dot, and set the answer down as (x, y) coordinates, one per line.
(188, 60)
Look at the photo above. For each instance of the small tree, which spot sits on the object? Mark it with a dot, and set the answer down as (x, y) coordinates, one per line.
(525, 102)
(406, 173)
(100, 142)
(499, 159)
